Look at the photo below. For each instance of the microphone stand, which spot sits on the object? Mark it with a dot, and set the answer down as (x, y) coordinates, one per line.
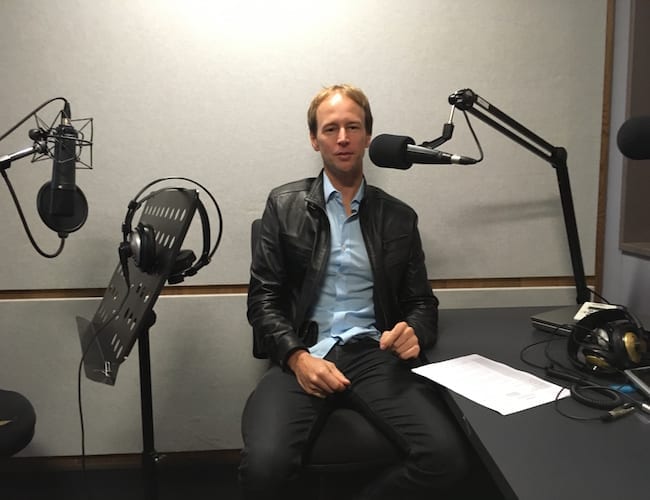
(467, 100)
(39, 147)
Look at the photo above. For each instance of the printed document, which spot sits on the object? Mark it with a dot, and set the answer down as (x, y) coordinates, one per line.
(492, 384)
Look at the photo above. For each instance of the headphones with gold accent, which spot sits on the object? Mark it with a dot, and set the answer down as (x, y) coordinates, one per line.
(608, 341)
(139, 243)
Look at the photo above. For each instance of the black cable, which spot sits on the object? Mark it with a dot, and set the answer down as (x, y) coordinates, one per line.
(579, 386)
(32, 114)
(607, 399)
(529, 346)
(557, 334)
(84, 477)
(599, 296)
(556, 405)
(471, 129)
(556, 363)
(79, 402)
(24, 221)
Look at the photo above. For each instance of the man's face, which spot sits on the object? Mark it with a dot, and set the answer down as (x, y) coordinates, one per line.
(341, 136)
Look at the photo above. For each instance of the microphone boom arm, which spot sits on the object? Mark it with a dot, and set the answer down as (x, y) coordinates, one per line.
(447, 132)
(467, 100)
(37, 148)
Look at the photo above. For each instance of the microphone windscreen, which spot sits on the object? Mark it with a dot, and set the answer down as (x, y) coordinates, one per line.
(634, 138)
(387, 150)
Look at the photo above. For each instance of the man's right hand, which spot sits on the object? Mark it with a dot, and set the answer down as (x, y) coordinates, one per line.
(316, 376)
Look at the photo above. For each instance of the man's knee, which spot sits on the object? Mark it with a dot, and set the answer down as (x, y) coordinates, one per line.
(263, 472)
(443, 463)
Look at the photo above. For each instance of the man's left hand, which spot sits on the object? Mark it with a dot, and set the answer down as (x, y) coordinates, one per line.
(401, 340)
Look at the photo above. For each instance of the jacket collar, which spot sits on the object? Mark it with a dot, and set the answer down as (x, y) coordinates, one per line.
(316, 194)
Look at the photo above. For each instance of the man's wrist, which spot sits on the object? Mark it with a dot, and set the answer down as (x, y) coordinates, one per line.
(293, 357)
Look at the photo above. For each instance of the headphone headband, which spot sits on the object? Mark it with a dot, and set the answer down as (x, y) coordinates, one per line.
(197, 184)
(143, 250)
(204, 259)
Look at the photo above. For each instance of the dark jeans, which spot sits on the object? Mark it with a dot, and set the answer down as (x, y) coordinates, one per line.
(279, 419)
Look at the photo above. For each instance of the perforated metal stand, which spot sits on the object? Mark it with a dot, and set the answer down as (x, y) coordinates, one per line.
(126, 313)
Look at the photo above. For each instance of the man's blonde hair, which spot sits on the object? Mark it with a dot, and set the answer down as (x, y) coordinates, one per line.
(354, 93)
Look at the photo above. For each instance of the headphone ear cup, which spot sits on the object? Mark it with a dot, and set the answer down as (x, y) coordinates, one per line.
(590, 343)
(608, 340)
(143, 247)
(616, 348)
(629, 342)
(635, 345)
(597, 358)
(184, 261)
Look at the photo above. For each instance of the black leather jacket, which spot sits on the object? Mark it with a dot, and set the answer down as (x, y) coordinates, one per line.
(290, 260)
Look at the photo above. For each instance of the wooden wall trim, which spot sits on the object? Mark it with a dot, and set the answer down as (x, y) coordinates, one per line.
(440, 284)
(604, 146)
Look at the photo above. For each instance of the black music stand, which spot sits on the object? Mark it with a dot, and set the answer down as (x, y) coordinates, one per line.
(126, 313)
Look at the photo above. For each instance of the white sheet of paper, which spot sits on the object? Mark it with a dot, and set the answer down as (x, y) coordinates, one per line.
(491, 384)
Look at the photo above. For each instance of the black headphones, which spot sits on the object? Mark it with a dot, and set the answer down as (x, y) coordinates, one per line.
(607, 341)
(140, 243)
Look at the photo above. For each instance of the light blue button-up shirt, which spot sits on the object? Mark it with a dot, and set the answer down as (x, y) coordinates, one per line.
(345, 309)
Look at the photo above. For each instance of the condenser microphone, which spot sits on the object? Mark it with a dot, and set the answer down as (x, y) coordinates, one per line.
(61, 204)
(634, 138)
(398, 151)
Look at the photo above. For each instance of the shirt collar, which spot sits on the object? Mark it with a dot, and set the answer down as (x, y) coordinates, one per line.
(329, 190)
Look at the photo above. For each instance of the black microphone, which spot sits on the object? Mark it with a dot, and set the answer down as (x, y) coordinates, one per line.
(61, 204)
(398, 151)
(634, 138)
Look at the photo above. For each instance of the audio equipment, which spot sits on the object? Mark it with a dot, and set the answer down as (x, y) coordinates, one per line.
(62, 206)
(633, 138)
(397, 151)
(596, 396)
(140, 243)
(607, 341)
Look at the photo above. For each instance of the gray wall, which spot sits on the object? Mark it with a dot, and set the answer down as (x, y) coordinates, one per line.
(626, 278)
(202, 372)
(218, 92)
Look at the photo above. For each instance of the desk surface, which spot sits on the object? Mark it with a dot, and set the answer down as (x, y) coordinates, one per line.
(538, 453)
